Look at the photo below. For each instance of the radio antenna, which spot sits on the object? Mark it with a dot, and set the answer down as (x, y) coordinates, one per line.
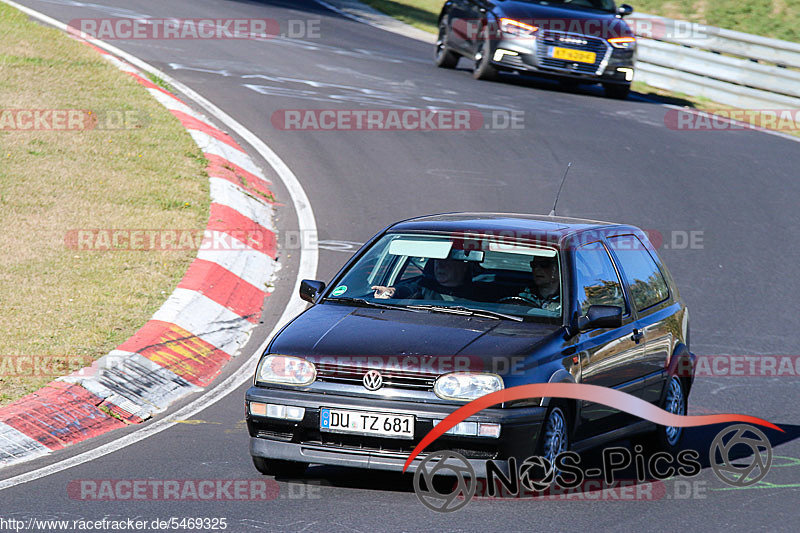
(553, 212)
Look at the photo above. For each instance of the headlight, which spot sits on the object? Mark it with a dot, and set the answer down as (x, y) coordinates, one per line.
(516, 27)
(466, 386)
(286, 370)
(622, 42)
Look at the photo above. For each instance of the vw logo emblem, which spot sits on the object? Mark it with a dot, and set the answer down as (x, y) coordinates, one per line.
(373, 380)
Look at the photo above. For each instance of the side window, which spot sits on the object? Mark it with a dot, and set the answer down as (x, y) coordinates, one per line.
(597, 281)
(642, 274)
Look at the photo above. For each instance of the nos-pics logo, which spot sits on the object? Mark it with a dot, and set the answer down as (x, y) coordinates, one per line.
(740, 456)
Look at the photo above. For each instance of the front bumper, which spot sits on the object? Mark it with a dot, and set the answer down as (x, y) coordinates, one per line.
(302, 441)
(530, 58)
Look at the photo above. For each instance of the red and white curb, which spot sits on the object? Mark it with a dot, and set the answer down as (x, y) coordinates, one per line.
(201, 326)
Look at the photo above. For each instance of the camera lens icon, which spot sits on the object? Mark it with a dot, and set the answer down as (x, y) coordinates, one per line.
(536, 474)
(736, 468)
(445, 464)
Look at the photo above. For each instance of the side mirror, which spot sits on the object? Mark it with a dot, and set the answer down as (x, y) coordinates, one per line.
(601, 316)
(310, 289)
(624, 10)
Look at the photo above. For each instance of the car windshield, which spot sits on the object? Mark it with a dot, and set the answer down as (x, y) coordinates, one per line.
(600, 5)
(488, 277)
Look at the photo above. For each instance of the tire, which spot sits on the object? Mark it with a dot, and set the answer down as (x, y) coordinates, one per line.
(484, 70)
(555, 437)
(278, 468)
(668, 438)
(616, 91)
(442, 56)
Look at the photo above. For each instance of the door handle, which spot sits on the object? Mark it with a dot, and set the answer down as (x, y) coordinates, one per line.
(637, 336)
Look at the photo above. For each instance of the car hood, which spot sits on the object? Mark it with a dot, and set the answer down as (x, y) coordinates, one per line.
(558, 18)
(334, 330)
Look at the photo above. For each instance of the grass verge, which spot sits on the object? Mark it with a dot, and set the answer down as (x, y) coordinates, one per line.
(756, 119)
(144, 174)
(421, 14)
(779, 19)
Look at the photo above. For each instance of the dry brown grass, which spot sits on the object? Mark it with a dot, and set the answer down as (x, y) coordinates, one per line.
(53, 299)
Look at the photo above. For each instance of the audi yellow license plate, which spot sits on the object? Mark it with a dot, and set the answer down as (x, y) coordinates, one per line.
(568, 54)
(366, 423)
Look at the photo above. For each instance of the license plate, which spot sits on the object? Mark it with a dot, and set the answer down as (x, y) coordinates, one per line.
(366, 423)
(568, 54)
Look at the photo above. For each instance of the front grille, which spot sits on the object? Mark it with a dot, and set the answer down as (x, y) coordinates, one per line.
(309, 434)
(550, 38)
(354, 375)
(275, 435)
(473, 450)
(516, 61)
(360, 443)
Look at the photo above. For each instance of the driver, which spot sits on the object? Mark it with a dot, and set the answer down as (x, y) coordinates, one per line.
(546, 292)
(451, 280)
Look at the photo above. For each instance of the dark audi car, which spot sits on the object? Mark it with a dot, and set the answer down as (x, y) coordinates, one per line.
(574, 41)
(436, 311)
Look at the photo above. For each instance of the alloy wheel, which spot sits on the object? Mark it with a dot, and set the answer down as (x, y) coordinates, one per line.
(675, 403)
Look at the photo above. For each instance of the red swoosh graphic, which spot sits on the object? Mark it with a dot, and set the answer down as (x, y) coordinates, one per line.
(619, 400)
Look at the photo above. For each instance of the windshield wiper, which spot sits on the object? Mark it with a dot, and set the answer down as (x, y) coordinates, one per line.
(455, 310)
(367, 303)
(461, 310)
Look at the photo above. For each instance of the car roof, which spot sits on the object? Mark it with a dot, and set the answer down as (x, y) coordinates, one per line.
(528, 226)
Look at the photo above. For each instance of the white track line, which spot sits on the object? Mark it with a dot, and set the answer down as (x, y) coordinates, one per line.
(393, 25)
(309, 258)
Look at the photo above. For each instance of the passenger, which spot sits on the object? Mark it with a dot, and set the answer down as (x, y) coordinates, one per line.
(444, 279)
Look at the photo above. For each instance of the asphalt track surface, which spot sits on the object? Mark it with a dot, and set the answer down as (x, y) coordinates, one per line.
(737, 189)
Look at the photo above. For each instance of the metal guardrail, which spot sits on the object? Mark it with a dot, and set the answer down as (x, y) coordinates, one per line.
(754, 72)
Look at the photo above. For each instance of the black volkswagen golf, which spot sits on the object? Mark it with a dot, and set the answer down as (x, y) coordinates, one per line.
(434, 312)
(574, 41)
